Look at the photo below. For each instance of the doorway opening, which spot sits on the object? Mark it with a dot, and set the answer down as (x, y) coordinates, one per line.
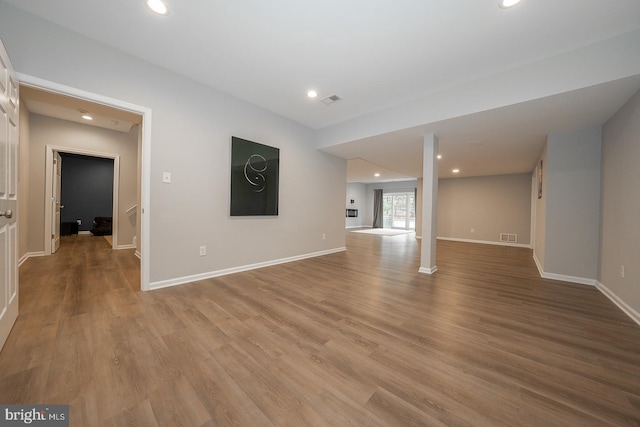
(141, 208)
(399, 210)
(75, 206)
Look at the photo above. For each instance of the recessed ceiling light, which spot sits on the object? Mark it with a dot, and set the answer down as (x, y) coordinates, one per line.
(455, 170)
(376, 174)
(157, 6)
(505, 4)
(312, 94)
(439, 156)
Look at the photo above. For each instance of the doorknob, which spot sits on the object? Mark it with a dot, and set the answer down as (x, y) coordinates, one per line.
(7, 213)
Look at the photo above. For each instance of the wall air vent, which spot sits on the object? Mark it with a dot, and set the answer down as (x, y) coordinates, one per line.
(331, 99)
(508, 238)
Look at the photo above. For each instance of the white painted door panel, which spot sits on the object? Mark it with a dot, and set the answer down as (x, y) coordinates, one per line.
(8, 196)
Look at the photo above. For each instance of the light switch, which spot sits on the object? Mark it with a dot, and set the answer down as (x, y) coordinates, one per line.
(166, 177)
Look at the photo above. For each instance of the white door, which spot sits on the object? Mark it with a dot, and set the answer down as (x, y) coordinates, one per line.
(9, 112)
(55, 199)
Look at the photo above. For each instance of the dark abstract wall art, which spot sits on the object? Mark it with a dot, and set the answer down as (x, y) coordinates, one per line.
(254, 178)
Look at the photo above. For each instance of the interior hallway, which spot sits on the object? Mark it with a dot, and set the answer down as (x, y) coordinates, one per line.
(353, 338)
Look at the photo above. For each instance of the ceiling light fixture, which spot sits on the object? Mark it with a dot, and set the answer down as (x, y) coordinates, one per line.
(455, 170)
(157, 6)
(376, 174)
(312, 94)
(505, 4)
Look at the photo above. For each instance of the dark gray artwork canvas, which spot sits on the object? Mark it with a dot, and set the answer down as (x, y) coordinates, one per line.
(254, 178)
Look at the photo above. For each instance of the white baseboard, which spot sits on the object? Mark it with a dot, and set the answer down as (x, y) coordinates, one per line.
(28, 255)
(211, 274)
(570, 279)
(562, 277)
(84, 232)
(125, 247)
(426, 270)
(359, 226)
(485, 242)
(538, 265)
(633, 314)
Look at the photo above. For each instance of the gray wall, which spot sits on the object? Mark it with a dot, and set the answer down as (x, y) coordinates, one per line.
(621, 206)
(489, 205)
(87, 189)
(572, 172)
(61, 133)
(191, 131)
(358, 193)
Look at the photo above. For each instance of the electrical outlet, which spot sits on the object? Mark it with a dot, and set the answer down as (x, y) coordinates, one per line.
(622, 271)
(79, 221)
(203, 250)
(166, 177)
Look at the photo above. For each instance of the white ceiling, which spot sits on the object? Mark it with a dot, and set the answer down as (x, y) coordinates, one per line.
(374, 54)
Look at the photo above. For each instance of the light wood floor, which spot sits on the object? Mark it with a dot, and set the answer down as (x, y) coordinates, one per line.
(351, 339)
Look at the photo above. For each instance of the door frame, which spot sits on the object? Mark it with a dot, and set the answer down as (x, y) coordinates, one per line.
(48, 194)
(145, 161)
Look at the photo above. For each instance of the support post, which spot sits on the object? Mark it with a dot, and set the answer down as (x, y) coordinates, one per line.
(429, 204)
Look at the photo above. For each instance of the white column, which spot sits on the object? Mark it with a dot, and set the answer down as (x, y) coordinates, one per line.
(429, 204)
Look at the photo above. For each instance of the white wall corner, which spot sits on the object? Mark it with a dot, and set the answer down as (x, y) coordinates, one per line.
(538, 265)
(629, 311)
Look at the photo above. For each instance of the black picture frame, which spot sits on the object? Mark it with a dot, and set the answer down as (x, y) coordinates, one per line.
(255, 174)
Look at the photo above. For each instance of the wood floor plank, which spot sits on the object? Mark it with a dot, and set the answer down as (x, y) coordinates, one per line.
(355, 338)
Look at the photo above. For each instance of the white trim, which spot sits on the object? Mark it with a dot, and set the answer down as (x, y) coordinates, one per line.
(485, 242)
(28, 255)
(570, 279)
(211, 274)
(562, 277)
(137, 254)
(629, 311)
(145, 136)
(538, 265)
(84, 232)
(426, 270)
(125, 247)
(131, 209)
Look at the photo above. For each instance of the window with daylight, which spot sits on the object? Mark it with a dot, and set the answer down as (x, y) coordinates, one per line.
(399, 210)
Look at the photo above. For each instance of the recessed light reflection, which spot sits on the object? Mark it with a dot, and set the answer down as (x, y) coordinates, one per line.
(157, 6)
(505, 4)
